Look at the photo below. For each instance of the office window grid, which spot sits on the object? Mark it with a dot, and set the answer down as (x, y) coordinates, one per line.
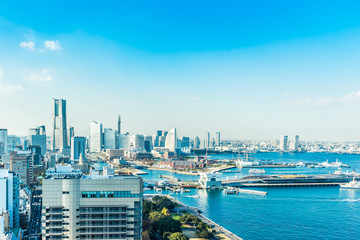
(109, 194)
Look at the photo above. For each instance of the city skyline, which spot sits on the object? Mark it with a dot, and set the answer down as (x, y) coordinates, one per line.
(245, 76)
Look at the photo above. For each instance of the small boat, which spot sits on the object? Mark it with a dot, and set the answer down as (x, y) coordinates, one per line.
(331, 164)
(354, 184)
(256, 171)
(300, 164)
(230, 190)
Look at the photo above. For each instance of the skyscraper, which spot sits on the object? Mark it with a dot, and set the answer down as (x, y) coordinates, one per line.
(294, 143)
(217, 139)
(70, 134)
(3, 141)
(207, 140)
(59, 140)
(22, 163)
(283, 143)
(119, 126)
(196, 142)
(9, 197)
(96, 137)
(78, 145)
(77, 206)
(109, 138)
(171, 140)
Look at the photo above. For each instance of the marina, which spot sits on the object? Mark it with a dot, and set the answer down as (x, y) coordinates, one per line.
(292, 206)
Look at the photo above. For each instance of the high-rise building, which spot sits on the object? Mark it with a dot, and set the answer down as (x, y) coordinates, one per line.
(185, 142)
(78, 146)
(294, 143)
(9, 196)
(123, 141)
(77, 206)
(171, 140)
(197, 142)
(109, 138)
(207, 140)
(22, 163)
(217, 139)
(96, 137)
(37, 137)
(119, 126)
(59, 140)
(70, 134)
(283, 143)
(3, 141)
(137, 141)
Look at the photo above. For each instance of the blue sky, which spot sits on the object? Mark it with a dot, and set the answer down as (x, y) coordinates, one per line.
(250, 69)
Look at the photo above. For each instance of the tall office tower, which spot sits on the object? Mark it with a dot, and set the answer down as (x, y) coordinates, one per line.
(96, 137)
(185, 142)
(159, 133)
(171, 140)
(22, 163)
(149, 138)
(109, 138)
(123, 141)
(156, 141)
(13, 143)
(78, 146)
(217, 139)
(207, 140)
(37, 137)
(70, 134)
(59, 140)
(3, 141)
(119, 126)
(137, 141)
(76, 206)
(197, 142)
(283, 143)
(39, 140)
(294, 143)
(9, 197)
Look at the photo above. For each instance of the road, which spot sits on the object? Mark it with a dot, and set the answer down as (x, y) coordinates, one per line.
(34, 229)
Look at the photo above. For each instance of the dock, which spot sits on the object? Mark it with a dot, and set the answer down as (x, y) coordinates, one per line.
(248, 191)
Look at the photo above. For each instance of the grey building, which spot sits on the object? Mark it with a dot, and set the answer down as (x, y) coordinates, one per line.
(59, 140)
(77, 206)
(109, 138)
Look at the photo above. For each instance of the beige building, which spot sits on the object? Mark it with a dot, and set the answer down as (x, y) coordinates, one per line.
(77, 206)
(22, 163)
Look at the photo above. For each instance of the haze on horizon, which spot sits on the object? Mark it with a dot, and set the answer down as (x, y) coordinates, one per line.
(251, 70)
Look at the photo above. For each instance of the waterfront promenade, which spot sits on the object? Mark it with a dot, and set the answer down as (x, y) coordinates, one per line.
(222, 233)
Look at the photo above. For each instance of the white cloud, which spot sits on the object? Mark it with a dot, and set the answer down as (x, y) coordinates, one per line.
(30, 45)
(195, 98)
(52, 45)
(7, 89)
(44, 76)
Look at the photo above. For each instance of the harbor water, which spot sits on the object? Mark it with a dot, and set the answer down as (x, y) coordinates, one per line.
(297, 213)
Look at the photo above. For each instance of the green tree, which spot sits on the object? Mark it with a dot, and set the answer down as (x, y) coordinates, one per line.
(204, 234)
(168, 224)
(165, 203)
(148, 207)
(201, 226)
(155, 216)
(166, 235)
(178, 236)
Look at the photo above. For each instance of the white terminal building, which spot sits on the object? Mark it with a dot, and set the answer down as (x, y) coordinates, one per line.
(77, 206)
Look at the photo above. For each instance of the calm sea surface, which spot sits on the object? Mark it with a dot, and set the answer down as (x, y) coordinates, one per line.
(297, 213)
